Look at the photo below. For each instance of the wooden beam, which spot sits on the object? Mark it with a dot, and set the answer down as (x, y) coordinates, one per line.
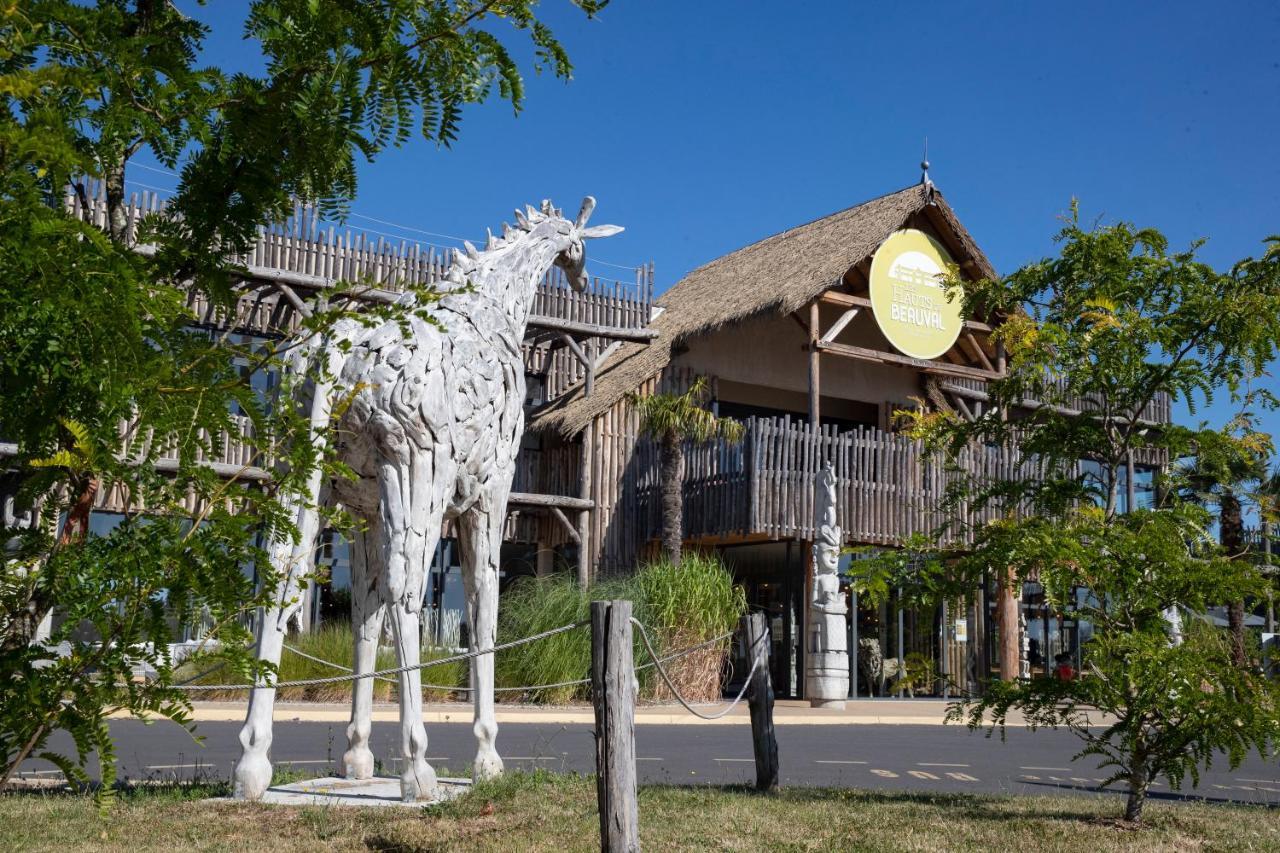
(844, 300)
(374, 294)
(588, 364)
(592, 330)
(226, 470)
(881, 357)
(838, 326)
(562, 501)
(566, 524)
(815, 389)
(959, 391)
(977, 350)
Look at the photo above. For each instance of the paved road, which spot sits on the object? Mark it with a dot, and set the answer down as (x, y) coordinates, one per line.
(901, 757)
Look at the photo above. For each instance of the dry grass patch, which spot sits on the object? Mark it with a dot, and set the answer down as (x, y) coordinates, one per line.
(550, 812)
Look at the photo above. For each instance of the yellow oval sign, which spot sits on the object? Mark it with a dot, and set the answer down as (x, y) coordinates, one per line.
(908, 297)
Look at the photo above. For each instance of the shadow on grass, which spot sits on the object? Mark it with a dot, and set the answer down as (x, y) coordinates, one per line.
(991, 808)
(1157, 796)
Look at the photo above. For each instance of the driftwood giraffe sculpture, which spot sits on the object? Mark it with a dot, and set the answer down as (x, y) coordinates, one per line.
(432, 429)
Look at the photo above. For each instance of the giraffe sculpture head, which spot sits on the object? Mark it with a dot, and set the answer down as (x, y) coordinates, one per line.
(566, 236)
(572, 259)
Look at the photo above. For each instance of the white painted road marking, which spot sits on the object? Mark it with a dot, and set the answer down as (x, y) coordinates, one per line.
(836, 761)
(1264, 781)
(888, 774)
(963, 777)
(922, 774)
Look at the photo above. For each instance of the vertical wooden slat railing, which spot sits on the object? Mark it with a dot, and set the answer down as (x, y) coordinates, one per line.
(889, 486)
(300, 245)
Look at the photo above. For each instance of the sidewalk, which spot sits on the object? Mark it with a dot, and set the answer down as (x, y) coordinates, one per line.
(788, 712)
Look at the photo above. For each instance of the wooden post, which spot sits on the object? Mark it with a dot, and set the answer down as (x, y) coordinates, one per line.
(1010, 631)
(760, 700)
(584, 516)
(853, 642)
(814, 355)
(613, 695)
(1008, 599)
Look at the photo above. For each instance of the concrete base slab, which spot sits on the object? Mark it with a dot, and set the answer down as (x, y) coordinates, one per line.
(335, 791)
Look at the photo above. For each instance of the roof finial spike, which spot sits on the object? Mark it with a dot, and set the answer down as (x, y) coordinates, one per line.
(925, 180)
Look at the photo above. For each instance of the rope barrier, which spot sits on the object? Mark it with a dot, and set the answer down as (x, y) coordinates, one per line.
(644, 635)
(337, 679)
(525, 689)
(458, 688)
(382, 675)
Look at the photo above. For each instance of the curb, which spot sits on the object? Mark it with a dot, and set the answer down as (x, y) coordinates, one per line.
(232, 712)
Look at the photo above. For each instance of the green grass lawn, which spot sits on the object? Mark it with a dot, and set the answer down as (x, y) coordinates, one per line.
(544, 811)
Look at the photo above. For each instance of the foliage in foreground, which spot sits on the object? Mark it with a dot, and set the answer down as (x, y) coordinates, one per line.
(1178, 703)
(1113, 328)
(549, 812)
(683, 605)
(95, 334)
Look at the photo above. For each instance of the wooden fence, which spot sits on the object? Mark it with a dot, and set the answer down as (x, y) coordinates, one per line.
(304, 245)
(889, 487)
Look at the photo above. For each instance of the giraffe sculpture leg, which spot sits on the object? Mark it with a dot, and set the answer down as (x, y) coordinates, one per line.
(366, 622)
(481, 539)
(411, 517)
(252, 775)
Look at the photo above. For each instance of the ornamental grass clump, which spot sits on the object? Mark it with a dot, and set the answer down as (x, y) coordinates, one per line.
(534, 605)
(684, 605)
(333, 642)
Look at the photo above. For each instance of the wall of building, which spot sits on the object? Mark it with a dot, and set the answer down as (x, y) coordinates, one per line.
(762, 362)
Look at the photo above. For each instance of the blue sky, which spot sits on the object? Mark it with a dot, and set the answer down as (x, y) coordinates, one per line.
(703, 126)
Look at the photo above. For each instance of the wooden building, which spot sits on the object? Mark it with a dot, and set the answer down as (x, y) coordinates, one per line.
(786, 331)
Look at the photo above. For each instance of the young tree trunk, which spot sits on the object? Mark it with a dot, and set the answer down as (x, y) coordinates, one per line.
(1231, 535)
(672, 496)
(1010, 631)
(1137, 798)
(1138, 784)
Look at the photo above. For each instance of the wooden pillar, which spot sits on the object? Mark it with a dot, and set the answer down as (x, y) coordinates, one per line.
(1131, 488)
(1007, 595)
(760, 700)
(815, 385)
(1010, 631)
(584, 516)
(853, 643)
(613, 695)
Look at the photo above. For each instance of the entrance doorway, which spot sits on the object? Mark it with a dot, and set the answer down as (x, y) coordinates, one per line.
(772, 575)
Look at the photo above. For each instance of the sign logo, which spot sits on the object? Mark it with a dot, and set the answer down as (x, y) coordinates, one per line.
(908, 297)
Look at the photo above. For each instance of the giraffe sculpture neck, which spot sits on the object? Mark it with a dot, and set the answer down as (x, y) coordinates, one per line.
(506, 272)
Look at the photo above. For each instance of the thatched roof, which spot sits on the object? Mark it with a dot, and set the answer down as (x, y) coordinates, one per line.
(780, 274)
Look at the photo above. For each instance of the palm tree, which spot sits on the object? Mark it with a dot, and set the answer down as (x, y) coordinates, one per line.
(1228, 468)
(672, 420)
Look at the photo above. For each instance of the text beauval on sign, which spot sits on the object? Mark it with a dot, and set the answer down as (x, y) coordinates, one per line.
(908, 295)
